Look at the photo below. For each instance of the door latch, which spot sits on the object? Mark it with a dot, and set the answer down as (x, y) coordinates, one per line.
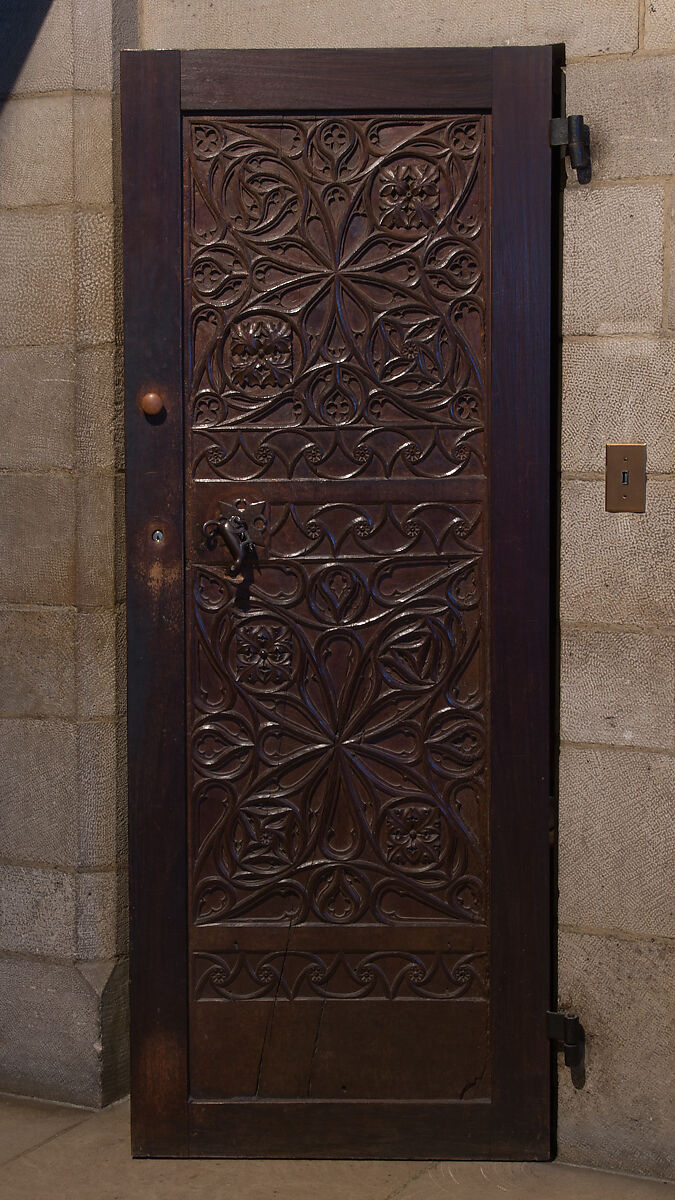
(234, 532)
(241, 527)
(574, 136)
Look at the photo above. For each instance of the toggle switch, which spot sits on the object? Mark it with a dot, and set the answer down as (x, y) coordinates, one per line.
(625, 477)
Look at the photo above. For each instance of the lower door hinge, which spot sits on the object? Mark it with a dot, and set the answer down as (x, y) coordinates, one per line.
(570, 1033)
(575, 137)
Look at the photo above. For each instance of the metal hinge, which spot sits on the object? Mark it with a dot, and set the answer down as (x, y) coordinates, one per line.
(575, 136)
(570, 1033)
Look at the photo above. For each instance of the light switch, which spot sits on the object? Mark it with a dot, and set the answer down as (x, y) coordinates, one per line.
(626, 477)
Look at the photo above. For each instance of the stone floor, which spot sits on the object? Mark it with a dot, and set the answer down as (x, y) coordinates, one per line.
(48, 1152)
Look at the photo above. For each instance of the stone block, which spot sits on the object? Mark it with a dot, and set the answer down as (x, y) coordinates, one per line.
(623, 1117)
(36, 135)
(37, 41)
(37, 407)
(618, 390)
(115, 1033)
(36, 277)
(94, 236)
(37, 539)
(102, 794)
(659, 24)
(100, 31)
(92, 149)
(92, 45)
(37, 662)
(50, 1031)
(609, 26)
(616, 807)
(617, 568)
(99, 407)
(39, 804)
(37, 911)
(613, 259)
(628, 106)
(98, 648)
(617, 688)
(670, 281)
(102, 915)
(96, 553)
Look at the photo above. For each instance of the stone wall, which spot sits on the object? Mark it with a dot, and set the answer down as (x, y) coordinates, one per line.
(62, 829)
(62, 840)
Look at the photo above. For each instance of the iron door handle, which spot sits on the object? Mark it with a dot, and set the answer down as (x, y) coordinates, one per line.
(234, 532)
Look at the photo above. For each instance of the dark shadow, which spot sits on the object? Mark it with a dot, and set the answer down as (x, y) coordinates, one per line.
(20, 23)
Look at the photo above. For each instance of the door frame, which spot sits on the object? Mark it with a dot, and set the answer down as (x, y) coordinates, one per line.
(521, 87)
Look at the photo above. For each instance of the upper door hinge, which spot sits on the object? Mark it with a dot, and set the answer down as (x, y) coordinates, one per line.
(570, 1033)
(574, 135)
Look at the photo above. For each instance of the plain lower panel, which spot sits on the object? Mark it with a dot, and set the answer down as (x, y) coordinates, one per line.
(344, 1129)
(318, 1050)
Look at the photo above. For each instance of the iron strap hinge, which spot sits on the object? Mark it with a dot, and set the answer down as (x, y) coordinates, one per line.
(569, 1032)
(575, 137)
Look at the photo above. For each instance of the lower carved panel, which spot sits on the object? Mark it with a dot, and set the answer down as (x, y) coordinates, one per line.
(299, 974)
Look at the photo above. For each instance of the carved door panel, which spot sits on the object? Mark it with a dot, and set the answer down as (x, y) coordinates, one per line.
(350, 849)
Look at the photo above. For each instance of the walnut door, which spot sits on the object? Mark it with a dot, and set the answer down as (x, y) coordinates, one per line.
(353, 356)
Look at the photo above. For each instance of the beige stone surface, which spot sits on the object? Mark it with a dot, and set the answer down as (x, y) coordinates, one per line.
(36, 160)
(36, 274)
(100, 31)
(102, 915)
(613, 259)
(37, 911)
(93, 1160)
(627, 104)
(622, 991)
(99, 645)
(659, 24)
(610, 25)
(617, 807)
(37, 407)
(92, 149)
(48, 65)
(49, 1033)
(102, 794)
(95, 277)
(38, 805)
(37, 665)
(669, 283)
(96, 540)
(99, 406)
(114, 1029)
(37, 538)
(518, 1181)
(25, 1124)
(617, 688)
(92, 44)
(617, 568)
(617, 390)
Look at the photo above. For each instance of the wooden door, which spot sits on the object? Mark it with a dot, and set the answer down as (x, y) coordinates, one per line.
(338, 280)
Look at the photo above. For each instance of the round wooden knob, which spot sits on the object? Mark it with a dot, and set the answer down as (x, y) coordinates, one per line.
(152, 404)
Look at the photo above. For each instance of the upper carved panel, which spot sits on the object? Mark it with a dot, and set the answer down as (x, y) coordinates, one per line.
(336, 296)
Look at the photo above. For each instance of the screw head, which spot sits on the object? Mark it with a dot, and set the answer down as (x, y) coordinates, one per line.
(157, 535)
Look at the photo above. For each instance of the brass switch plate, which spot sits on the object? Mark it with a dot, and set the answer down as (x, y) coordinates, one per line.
(626, 477)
